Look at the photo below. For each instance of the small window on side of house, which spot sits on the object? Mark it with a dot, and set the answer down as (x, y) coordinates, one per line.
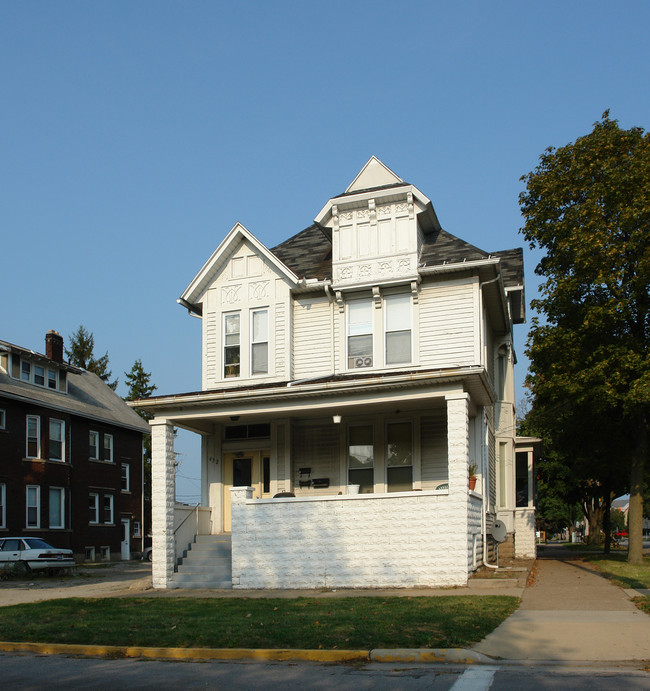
(93, 443)
(126, 477)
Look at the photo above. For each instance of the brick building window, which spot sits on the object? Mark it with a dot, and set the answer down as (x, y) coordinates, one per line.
(33, 436)
(33, 506)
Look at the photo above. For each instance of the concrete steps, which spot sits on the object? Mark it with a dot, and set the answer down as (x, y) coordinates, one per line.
(206, 564)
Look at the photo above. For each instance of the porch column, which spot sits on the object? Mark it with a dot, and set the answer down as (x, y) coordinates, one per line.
(163, 496)
(458, 441)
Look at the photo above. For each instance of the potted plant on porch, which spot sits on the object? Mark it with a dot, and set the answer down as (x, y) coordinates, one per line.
(472, 475)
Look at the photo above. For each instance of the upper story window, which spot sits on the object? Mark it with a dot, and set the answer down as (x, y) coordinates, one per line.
(57, 440)
(33, 436)
(360, 342)
(125, 478)
(93, 507)
(37, 374)
(108, 447)
(259, 342)
(398, 329)
(232, 345)
(93, 443)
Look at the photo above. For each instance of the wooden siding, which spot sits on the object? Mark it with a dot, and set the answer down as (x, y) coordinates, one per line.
(312, 337)
(433, 439)
(447, 324)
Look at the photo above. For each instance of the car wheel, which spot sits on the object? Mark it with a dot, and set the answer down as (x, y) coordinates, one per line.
(22, 568)
(149, 556)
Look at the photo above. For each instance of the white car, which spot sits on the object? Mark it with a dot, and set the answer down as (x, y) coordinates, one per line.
(33, 554)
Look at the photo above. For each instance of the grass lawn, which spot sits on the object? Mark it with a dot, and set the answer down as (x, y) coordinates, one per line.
(616, 568)
(307, 623)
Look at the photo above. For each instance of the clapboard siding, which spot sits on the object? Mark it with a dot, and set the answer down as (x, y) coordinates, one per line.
(211, 349)
(312, 338)
(433, 439)
(447, 325)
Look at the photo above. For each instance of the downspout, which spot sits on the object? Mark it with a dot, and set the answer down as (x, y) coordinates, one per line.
(483, 517)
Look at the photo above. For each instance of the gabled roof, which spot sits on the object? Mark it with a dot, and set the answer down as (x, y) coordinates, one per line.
(309, 254)
(193, 294)
(88, 396)
(373, 175)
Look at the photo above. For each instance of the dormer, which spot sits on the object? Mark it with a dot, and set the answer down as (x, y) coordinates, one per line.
(377, 227)
(45, 371)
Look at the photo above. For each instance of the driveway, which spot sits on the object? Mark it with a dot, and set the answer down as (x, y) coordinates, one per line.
(104, 580)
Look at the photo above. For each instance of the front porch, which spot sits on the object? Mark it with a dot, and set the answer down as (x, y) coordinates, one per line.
(413, 523)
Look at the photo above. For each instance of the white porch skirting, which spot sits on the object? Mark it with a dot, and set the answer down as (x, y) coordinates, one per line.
(409, 539)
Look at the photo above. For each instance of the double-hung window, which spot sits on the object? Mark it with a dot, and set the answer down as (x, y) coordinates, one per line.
(93, 443)
(93, 508)
(25, 370)
(259, 342)
(33, 506)
(57, 440)
(107, 507)
(33, 436)
(108, 448)
(361, 457)
(39, 375)
(51, 379)
(399, 456)
(57, 507)
(3, 419)
(126, 478)
(232, 345)
(398, 329)
(360, 333)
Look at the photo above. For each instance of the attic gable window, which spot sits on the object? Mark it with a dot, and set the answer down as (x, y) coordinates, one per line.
(232, 345)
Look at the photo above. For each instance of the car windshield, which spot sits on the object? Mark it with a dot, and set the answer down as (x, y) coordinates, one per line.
(37, 543)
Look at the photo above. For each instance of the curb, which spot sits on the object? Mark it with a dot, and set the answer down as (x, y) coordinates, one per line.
(460, 655)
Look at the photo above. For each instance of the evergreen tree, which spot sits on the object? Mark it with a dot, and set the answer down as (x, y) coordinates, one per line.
(81, 354)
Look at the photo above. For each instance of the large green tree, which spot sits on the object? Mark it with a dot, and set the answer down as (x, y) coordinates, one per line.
(139, 386)
(81, 354)
(587, 205)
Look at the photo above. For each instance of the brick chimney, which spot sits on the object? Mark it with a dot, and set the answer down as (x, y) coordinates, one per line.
(54, 346)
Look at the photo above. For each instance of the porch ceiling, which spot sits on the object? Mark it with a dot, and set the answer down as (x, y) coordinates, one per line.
(367, 396)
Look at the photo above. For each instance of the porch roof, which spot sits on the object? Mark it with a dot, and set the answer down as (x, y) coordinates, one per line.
(336, 394)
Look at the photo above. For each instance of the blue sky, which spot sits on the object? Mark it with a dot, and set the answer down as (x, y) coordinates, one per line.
(133, 135)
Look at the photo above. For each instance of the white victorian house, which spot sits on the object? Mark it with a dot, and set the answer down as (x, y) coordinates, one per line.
(362, 369)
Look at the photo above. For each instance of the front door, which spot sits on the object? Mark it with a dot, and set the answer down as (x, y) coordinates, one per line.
(249, 469)
(126, 539)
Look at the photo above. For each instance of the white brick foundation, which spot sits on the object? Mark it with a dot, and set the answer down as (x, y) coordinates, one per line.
(525, 545)
(365, 541)
(163, 495)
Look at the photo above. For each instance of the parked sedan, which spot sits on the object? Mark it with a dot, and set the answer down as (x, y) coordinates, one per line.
(33, 554)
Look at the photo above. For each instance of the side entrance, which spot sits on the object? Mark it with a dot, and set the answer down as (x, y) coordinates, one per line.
(245, 469)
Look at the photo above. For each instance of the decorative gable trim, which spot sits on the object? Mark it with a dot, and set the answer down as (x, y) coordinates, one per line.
(193, 294)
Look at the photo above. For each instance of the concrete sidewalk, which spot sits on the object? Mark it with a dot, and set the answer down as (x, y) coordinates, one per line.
(570, 612)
